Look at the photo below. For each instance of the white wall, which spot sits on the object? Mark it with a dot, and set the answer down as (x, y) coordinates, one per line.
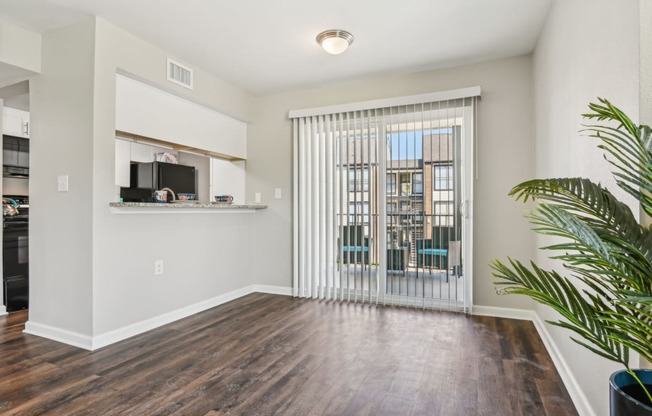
(645, 88)
(92, 272)
(61, 245)
(588, 49)
(205, 255)
(645, 46)
(505, 158)
(229, 178)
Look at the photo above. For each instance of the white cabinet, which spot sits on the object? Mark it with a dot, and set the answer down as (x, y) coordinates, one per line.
(142, 153)
(122, 162)
(15, 122)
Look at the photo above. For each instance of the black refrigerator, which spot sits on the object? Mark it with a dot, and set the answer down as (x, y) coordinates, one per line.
(148, 177)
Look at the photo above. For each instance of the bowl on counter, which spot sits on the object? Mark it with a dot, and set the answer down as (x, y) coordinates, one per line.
(186, 197)
(223, 199)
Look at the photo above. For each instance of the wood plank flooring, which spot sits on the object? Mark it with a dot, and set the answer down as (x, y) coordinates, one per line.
(274, 355)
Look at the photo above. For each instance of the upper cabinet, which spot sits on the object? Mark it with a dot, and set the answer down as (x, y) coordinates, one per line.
(122, 162)
(151, 115)
(15, 122)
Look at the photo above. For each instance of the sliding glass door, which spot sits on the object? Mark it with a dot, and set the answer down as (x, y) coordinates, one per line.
(382, 213)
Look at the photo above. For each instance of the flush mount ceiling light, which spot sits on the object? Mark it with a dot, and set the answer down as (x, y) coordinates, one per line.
(335, 41)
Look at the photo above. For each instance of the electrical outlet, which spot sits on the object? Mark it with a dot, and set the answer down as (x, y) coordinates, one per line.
(158, 267)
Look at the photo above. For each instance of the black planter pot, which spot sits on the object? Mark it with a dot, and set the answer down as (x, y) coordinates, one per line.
(626, 397)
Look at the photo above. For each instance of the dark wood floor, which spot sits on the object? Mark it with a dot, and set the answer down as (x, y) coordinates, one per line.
(267, 354)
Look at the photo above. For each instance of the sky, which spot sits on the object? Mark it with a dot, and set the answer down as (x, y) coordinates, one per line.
(409, 144)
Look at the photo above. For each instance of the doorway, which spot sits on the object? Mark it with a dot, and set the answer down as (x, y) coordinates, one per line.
(382, 209)
(15, 195)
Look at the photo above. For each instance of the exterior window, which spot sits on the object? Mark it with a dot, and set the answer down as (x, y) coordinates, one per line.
(358, 180)
(444, 213)
(358, 212)
(391, 184)
(443, 177)
(417, 183)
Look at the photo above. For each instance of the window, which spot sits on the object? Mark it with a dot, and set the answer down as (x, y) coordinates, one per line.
(443, 177)
(417, 183)
(358, 212)
(391, 184)
(358, 180)
(444, 212)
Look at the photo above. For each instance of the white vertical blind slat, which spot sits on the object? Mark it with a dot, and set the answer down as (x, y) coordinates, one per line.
(303, 205)
(322, 208)
(314, 210)
(309, 253)
(381, 156)
(328, 204)
(295, 207)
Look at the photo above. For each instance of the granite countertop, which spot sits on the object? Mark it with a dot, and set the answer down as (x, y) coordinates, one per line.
(152, 207)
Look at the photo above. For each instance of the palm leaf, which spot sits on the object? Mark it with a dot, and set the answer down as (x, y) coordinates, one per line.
(593, 205)
(551, 289)
(601, 243)
(629, 145)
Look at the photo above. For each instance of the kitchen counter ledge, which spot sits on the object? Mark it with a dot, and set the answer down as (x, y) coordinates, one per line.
(181, 208)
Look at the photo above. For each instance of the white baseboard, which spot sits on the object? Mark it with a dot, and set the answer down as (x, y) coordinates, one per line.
(148, 324)
(511, 313)
(580, 401)
(3, 310)
(111, 337)
(273, 290)
(582, 404)
(57, 334)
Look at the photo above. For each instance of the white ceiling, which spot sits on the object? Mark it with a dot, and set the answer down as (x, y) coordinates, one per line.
(267, 46)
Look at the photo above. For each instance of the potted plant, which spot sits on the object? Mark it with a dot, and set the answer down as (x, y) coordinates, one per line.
(606, 299)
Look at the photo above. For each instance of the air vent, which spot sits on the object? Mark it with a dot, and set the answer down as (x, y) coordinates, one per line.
(179, 74)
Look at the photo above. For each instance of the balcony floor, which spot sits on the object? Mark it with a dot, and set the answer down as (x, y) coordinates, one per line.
(402, 287)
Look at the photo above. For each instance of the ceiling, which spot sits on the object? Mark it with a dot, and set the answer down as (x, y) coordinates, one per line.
(265, 46)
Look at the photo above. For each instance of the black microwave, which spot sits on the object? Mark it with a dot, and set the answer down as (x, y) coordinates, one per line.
(148, 177)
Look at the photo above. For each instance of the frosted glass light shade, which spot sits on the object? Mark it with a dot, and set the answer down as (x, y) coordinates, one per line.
(335, 41)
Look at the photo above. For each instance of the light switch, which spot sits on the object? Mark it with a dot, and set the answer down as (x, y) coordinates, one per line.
(277, 193)
(257, 198)
(62, 183)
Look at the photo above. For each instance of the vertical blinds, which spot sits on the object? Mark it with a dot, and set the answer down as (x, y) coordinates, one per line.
(366, 183)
